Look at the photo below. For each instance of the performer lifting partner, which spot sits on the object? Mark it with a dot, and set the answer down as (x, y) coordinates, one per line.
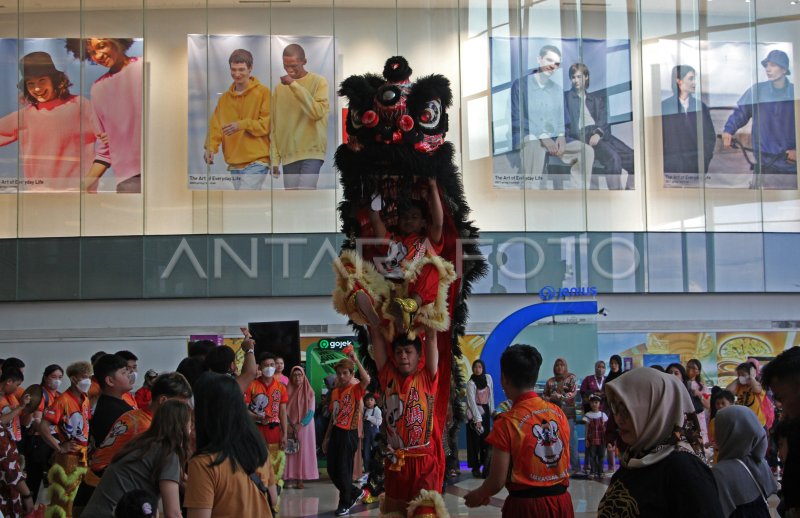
(409, 381)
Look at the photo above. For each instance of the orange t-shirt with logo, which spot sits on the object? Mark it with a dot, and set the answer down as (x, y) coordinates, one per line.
(344, 405)
(408, 406)
(48, 398)
(265, 400)
(71, 415)
(536, 434)
(129, 425)
(9, 403)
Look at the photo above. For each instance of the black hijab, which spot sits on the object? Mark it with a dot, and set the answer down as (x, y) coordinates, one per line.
(614, 375)
(479, 380)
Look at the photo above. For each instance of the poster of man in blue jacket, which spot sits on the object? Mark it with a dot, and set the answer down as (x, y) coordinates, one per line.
(770, 105)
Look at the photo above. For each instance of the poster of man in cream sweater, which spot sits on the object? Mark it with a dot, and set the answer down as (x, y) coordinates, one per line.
(301, 107)
(291, 132)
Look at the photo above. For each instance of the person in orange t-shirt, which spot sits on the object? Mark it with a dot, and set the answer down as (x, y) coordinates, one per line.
(266, 399)
(409, 382)
(341, 439)
(530, 446)
(10, 408)
(70, 414)
(135, 422)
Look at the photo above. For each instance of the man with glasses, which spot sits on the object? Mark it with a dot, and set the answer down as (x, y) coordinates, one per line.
(537, 120)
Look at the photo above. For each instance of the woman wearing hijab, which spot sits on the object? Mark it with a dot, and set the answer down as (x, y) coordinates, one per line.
(480, 407)
(561, 390)
(661, 474)
(744, 478)
(301, 465)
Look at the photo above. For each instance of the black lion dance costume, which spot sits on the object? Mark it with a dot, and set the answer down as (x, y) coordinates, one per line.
(406, 269)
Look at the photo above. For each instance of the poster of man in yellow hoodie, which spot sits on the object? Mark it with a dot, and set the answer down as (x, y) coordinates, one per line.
(240, 124)
(260, 120)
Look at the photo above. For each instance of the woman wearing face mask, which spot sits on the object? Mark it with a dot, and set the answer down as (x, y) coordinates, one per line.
(70, 417)
(38, 452)
(748, 390)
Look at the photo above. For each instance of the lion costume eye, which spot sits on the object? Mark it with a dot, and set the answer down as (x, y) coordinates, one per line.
(431, 115)
(355, 118)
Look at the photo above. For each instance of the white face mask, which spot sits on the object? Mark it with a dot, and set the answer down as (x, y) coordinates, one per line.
(84, 385)
(743, 380)
(133, 376)
(268, 372)
(53, 384)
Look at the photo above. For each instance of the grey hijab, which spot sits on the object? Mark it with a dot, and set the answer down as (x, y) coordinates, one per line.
(741, 437)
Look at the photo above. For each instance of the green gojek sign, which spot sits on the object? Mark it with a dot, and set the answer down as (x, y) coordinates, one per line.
(321, 358)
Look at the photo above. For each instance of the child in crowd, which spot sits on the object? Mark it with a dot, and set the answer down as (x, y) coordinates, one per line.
(748, 390)
(530, 444)
(720, 398)
(372, 424)
(595, 421)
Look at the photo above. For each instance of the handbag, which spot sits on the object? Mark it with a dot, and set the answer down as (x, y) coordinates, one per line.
(292, 446)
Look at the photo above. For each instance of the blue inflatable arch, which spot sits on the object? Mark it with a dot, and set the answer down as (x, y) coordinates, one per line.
(505, 332)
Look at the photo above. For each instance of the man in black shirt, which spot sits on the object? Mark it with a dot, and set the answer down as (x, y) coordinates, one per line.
(114, 378)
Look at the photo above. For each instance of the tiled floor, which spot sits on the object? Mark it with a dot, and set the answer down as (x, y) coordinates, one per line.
(319, 499)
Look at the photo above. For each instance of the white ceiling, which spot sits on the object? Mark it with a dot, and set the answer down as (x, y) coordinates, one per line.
(764, 8)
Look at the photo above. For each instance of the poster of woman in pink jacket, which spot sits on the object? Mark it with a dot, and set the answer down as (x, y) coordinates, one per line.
(116, 111)
(54, 128)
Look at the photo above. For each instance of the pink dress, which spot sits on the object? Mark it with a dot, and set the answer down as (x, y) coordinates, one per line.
(303, 464)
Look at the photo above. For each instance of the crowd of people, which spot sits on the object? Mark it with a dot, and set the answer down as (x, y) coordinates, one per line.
(680, 442)
(187, 442)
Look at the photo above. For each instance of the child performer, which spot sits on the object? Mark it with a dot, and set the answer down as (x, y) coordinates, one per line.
(405, 284)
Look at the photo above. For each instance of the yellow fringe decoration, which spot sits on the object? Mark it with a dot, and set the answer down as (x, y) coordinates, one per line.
(350, 269)
(428, 498)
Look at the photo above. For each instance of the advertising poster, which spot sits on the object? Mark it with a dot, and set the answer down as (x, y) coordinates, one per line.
(71, 109)
(739, 347)
(719, 353)
(727, 111)
(562, 114)
(261, 112)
